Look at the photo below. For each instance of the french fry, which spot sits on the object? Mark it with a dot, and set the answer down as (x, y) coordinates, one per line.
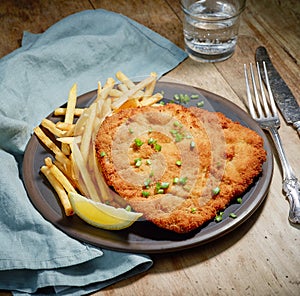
(71, 104)
(149, 89)
(132, 91)
(92, 192)
(103, 94)
(129, 85)
(64, 199)
(69, 140)
(115, 93)
(106, 109)
(51, 126)
(64, 164)
(122, 87)
(69, 117)
(110, 82)
(75, 165)
(77, 178)
(48, 142)
(103, 187)
(80, 124)
(64, 126)
(59, 155)
(62, 111)
(148, 101)
(61, 178)
(87, 133)
(124, 79)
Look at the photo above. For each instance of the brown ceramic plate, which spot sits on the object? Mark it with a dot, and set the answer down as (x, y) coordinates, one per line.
(143, 236)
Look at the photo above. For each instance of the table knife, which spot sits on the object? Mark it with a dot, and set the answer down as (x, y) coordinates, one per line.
(283, 96)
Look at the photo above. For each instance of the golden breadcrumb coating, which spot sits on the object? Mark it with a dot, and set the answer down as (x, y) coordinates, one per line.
(178, 166)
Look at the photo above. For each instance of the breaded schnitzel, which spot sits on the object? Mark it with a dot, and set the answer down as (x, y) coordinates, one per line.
(178, 166)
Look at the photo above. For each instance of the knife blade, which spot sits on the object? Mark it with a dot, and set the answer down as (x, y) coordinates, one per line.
(283, 96)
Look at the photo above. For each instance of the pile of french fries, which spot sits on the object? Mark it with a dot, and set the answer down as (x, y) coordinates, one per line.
(74, 166)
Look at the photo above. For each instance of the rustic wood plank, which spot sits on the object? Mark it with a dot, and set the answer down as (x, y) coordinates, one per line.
(156, 15)
(33, 16)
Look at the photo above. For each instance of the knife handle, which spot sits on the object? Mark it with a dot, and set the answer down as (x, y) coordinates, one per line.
(297, 126)
(291, 186)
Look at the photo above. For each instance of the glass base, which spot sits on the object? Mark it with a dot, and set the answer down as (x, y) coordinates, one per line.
(208, 58)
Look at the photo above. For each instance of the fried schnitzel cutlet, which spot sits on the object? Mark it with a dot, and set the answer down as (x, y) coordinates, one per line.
(178, 166)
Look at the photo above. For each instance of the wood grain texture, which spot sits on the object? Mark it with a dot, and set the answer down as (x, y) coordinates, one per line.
(36, 16)
(261, 257)
(157, 15)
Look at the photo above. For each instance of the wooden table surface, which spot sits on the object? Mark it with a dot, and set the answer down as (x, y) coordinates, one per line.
(261, 257)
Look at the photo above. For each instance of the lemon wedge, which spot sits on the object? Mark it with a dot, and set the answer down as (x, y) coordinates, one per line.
(101, 215)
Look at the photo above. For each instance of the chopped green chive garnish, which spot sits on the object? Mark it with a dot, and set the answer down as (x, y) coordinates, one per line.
(154, 144)
(131, 130)
(183, 180)
(161, 186)
(177, 124)
(216, 191)
(164, 185)
(178, 137)
(145, 193)
(192, 144)
(194, 97)
(128, 208)
(157, 147)
(193, 210)
(185, 98)
(219, 217)
(148, 161)
(138, 162)
(138, 142)
(102, 154)
(175, 180)
(200, 104)
(232, 215)
(151, 141)
(178, 162)
(147, 183)
(239, 200)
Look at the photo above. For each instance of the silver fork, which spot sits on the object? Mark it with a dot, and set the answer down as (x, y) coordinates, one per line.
(263, 110)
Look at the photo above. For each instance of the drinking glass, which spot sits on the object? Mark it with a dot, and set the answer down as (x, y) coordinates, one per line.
(210, 28)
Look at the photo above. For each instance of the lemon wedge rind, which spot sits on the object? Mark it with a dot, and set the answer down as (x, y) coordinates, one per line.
(101, 215)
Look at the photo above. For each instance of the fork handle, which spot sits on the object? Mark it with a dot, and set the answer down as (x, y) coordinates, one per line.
(297, 126)
(291, 185)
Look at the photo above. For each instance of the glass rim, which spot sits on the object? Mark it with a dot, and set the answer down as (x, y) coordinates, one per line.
(213, 19)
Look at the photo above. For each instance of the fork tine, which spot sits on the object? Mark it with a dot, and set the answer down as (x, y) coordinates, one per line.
(264, 99)
(250, 102)
(258, 104)
(272, 102)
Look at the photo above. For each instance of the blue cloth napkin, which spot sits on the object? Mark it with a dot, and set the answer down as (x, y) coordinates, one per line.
(85, 48)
